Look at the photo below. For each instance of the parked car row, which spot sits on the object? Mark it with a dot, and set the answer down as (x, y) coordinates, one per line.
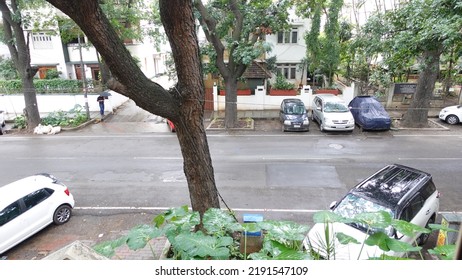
(333, 114)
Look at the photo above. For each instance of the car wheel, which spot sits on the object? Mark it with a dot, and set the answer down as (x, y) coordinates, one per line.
(452, 119)
(62, 214)
(321, 127)
(424, 236)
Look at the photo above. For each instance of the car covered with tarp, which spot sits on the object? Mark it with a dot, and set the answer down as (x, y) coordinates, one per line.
(369, 113)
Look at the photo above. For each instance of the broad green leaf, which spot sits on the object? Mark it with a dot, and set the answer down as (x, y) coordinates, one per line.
(284, 230)
(327, 217)
(379, 219)
(441, 227)
(107, 248)
(408, 229)
(445, 252)
(346, 239)
(139, 236)
(386, 243)
(198, 244)
(217, 221)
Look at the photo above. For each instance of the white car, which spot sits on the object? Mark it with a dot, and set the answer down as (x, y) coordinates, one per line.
(29, 205)
(451, 114)
(403, 192)
(332, 113)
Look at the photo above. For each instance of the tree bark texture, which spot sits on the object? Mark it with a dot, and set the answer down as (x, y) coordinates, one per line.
(20, 54)
(417, 113)
(183, 105)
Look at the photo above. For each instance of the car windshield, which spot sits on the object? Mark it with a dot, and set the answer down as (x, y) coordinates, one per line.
(353, 205)
(296, 109)
(335, 107)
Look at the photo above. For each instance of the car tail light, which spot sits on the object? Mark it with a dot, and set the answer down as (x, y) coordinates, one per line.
(66, 191)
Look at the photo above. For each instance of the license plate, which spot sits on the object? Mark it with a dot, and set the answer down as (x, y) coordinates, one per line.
(296, 126)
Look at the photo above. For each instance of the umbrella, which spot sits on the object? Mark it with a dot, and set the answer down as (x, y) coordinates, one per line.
(105, 93)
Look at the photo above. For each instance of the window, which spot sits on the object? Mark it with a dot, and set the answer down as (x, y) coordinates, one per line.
(36, 197)
(287, 70)
(413, 208)
(288, 37)
(41, 41)
(9, 213)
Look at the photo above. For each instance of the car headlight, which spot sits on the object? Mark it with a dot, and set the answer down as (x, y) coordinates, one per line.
(287, 122)
(305, 121)
(351, 121)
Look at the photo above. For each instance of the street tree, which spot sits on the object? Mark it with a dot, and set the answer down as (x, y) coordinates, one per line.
(418, 31)
(18, 46)
(236, 31)
(323, 45)
(183, 104)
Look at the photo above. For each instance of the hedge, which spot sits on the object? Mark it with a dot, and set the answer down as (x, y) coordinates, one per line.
(43, 86)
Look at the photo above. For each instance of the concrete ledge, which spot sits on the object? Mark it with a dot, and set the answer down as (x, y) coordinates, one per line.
(75, 251)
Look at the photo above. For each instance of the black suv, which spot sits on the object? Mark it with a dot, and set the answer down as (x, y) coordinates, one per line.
(404, 192)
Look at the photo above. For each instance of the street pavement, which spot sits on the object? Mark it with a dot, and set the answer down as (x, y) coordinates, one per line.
(92, 228)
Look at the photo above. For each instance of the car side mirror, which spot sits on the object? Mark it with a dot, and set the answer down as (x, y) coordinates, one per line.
(397, 234)
(332, 205)
(318, 108)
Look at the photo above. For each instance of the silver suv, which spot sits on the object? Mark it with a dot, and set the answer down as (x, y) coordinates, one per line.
(332, 113)
(405, 193)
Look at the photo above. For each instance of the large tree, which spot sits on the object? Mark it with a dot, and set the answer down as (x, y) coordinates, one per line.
(183, 104)
(236, 30)
(18, 45)
(418, 31)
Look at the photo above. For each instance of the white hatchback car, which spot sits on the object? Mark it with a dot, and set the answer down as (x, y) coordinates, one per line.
(403, 192)
(332, 113)
(29, 205)
(451, 114)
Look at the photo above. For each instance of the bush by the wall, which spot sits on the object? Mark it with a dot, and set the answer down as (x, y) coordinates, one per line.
(43, 86)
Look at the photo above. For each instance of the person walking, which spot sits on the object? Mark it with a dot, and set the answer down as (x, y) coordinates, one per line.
(100, 100)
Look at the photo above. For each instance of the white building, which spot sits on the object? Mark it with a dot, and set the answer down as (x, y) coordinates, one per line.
(49, 52)
(289, 48)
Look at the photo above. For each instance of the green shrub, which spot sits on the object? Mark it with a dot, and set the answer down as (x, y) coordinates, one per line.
(20, 122)
(72, 118)
(282, 83)
(218, 240)
(43, 86)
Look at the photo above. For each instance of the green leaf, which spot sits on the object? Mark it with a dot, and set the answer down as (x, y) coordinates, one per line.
(445, 252)
(327, 217)
(107, 248)
(273, 250)
(200, 245)
(346, 239)
(284, 230)
(139, 236)
(441, 227)
(408, 229)
(386, 243)
(217, 221)
(379, 219)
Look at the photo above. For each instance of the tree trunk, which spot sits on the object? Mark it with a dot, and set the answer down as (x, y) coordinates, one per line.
(231, 103)
(179, 26)
(417, 113)
(183, 105)
(20, 54)
(31, 110)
